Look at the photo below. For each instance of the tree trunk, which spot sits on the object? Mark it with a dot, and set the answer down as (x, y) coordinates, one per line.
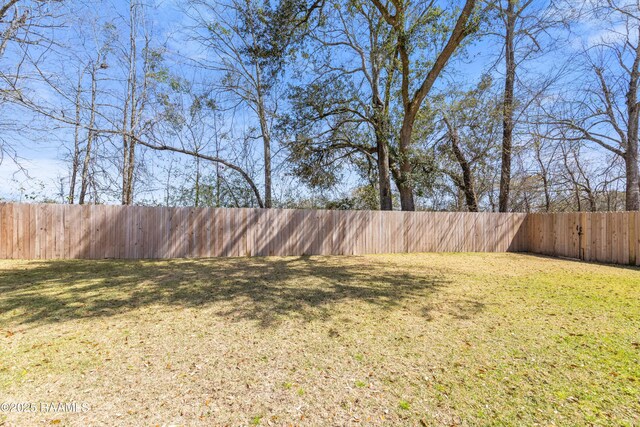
(384, 179)
(405, 186)
(545, 178)
(217, 141)
(75, 163)
(130, 170)
(592, 200)
(84, 184)
(267, 173)
(266, 142)
(468, 186)
(547, 196)
(507, 109)
(382, 130)
(572, 176)
(197, 184)
(266, 136)
(128, 161)
(631, 153)
(631, 167)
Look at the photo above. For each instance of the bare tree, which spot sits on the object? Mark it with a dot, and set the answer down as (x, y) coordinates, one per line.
(607, 111)
(136, 96)
(510, 17)
(91, 133)
(24, 24)
(23, 20)
(544, 164)
(237, 34)
(75, 157)
(525, 33)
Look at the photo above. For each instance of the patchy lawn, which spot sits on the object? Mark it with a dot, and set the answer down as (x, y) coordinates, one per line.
(421, 339)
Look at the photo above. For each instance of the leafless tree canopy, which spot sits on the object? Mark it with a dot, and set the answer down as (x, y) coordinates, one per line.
(471, 105)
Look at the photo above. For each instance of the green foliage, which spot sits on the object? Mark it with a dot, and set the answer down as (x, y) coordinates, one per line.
(475, 114)
(328, 133)
(362, 198)
(230, 191)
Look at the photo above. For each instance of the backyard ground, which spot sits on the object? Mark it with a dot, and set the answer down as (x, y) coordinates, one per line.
(420, 339)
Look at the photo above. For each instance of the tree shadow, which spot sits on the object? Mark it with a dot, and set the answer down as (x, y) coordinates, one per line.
(48, 231)
(583, 262)
(265, 290)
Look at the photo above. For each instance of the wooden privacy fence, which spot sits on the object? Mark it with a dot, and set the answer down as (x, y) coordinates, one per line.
(44, 231)
(612, 237)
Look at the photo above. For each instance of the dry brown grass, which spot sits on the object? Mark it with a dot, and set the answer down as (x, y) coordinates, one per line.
(422, 339)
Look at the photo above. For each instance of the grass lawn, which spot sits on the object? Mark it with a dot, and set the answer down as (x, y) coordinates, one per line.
(420, 339)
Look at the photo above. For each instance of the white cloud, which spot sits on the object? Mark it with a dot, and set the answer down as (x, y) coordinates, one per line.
(606, 35)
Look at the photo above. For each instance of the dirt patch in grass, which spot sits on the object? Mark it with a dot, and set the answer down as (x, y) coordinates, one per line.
(420, 339)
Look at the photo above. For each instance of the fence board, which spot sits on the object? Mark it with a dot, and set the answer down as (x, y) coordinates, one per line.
(49, 231)
(610, 237)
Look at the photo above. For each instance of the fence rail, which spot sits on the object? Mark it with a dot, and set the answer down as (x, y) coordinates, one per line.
(45, 231)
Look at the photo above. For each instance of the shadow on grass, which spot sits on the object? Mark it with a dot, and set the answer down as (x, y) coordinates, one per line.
(265, 290)
(580, 261)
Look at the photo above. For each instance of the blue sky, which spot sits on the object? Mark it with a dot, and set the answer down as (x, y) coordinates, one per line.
(42, 154)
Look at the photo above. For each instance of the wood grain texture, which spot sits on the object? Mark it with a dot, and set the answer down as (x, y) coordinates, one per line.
(48, 231)
(610, 237)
